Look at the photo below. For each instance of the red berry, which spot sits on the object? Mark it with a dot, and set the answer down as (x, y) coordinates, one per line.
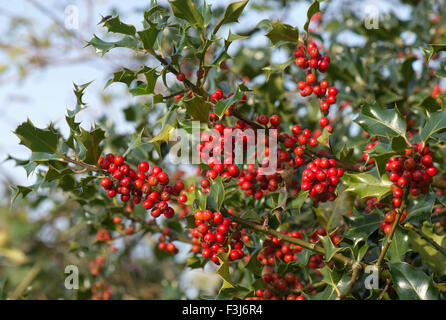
(105, 182)
(331, 99)
(432, 171)
(396, 202)
(332, 91)
(324, 84)
(182, 198)
(323, 122)
(262, 119)
(296, 129)
(312, 142)
(118, 160)
(143, 166)
(274, 120)
(181, 77)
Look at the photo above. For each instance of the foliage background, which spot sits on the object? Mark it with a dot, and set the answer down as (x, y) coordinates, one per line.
(40, 60)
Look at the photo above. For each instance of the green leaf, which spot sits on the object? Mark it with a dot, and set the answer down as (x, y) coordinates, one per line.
(79, 93)
(103, 47)
(125, 76)
(429, 104)
(135, 143)
(381, 122)
(148, 37)
(169, 122)
(312, 10)
(198, 108)
(25, 190)
(37, 140)
(320, 216)
(91, 140)
(435, 123)
(362, 251)
(185, 9)
(282, 32)
(223, 270)
(346, 153)
(197, 199)
(298, 202)
(234, 37)
(223, 105)
(381, 153)
(412, 284)
(253, 264)
(206, 12)
(389, 97)
(333, 211)
(56, 174)
(117, 26)
(149, 87)
(330, 249)
(361, 226)
(155, 9)
(324, 139)
(332, 278)
(278, 68)
(431, 256)
(367, 184)
(233, 12)
(407, 71)
(19, 191)
(433, 49)
(420, 208)
(398, 144)
(216, 195)
(399, 245)
(195, 262)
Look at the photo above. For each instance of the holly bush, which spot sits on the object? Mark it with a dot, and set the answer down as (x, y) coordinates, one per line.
(339, 189)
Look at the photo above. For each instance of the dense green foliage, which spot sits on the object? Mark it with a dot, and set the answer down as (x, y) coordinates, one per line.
(388, 94)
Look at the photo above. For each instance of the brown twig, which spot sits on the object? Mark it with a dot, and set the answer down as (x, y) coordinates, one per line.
(357, 267)
(84, 165)
(381, 295)
(439, 183)
(302, 243)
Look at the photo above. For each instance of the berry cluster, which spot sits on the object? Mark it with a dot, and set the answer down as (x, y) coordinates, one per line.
(321, 178)
(309, 58)
(278, 288)
(152, 186)
(165, 242)
(372, 203)
(101, 291)
(253, 180)
(213, 234)
(411, 173)
(274, 248)
(96, 265)
(436, 93)
(368, 147)
(256, 184)
(390, 218)
(103, 235)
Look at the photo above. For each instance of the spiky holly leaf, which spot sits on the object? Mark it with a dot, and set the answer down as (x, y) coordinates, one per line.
(185, 9)
(378, 121)
(412, 284)
(115, 25)
(37, 140)
(91, 141)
